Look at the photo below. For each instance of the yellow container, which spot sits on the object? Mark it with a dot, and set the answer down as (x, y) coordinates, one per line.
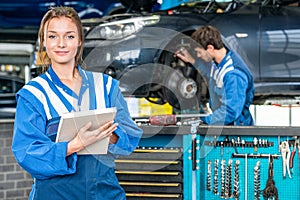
(146, 108)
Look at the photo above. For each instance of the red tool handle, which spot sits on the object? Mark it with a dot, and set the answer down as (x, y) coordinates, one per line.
(163, 120)
(292, 159)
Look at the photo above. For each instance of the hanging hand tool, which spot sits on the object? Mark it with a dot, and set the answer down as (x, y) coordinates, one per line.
(296, 144)
(216, 177)
(236, 184)
(194, 124)
(228, 180)
(223, 178)
(270, 191)
(286, 153)
(255, 142)
(243, 143)
(238, 141)
(222, 149)
(257, 181)
(208, 178)
(166, 120)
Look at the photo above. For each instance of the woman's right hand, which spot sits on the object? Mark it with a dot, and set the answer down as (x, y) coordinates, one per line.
(86, 137)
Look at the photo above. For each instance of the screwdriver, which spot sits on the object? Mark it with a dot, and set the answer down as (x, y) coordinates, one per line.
(166, 120)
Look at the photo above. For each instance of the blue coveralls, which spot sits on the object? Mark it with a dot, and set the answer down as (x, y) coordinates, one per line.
(231, 91)
(40, 104)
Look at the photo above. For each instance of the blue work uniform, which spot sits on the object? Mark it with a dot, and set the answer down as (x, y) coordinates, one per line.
(40, 103)
(231, 90)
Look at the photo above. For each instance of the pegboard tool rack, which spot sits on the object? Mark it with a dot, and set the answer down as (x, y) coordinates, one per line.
(195, 149)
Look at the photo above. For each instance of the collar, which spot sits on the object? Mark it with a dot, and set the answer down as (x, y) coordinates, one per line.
(224, 60)
(58, 82)
(55, 79)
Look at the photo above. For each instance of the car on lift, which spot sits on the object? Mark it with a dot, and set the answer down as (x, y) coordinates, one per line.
(137, 48)
(20, 20)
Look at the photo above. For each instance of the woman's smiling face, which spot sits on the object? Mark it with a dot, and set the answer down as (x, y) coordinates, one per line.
(61, 40)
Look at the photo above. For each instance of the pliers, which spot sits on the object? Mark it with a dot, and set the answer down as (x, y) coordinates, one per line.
(296, 144)
(286, 154)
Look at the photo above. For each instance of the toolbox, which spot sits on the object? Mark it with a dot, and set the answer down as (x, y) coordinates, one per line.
(210, 162)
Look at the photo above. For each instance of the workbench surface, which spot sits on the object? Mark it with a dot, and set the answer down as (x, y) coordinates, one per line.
(224, 130)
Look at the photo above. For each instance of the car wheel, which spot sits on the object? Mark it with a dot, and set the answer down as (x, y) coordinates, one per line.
(185, 87)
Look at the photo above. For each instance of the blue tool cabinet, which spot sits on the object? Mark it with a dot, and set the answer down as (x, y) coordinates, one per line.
(180, 150)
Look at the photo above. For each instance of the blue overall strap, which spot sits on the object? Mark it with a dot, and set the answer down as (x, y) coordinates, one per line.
(89, 79)
(52, 127)
(108, 84)
(53, 80)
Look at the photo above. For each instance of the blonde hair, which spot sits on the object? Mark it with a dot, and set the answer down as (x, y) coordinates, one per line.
(60, 11)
